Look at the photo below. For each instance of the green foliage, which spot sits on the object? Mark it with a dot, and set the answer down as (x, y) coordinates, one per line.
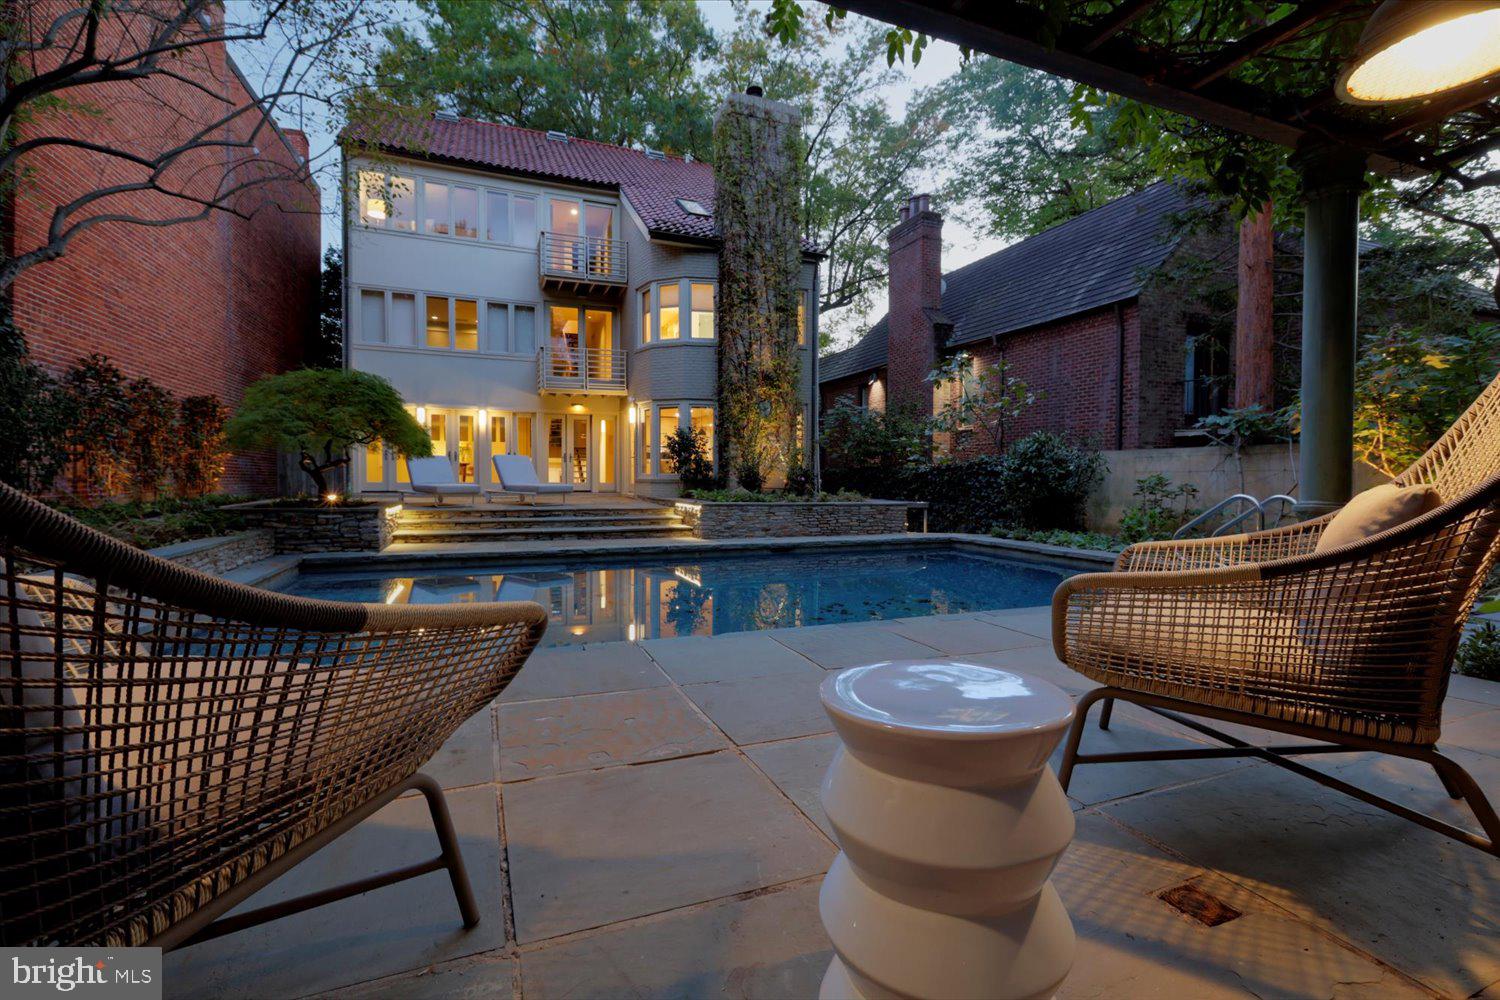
(758, 182)
(1160, 508)
(984, 397)
(688, 456)
(799, 480)
(1411, 386)
(150, 435)
(620, 71)
(1068, 539)
(33, 413)
(1046, 481)
(198, 457)
(1239, 428)
(320, 414)
(161, 522)
(327, 347)
(98, 428)
(1479, 653)
(749, 475)
(869, 450)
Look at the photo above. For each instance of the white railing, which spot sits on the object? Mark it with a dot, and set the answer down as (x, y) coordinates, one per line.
(562, 367)
(581, 258)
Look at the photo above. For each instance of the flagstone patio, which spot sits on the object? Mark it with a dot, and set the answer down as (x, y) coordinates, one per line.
(642, 820)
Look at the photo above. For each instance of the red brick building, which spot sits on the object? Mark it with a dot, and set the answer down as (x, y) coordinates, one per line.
(201, 307)
(1071, 310)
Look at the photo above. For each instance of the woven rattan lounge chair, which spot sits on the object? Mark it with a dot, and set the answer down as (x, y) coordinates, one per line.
(171, 742)
(1351, 646)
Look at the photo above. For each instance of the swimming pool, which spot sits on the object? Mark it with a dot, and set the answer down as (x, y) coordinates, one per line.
(602, 601)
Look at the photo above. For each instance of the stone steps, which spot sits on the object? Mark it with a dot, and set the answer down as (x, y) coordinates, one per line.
(482, 519)
(457, 524)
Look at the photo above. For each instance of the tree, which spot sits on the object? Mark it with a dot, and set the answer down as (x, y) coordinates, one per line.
(33, 447)
(319, 414)
(327, 349)
(983, 396)
(150, 435)
(198, 459)
(97, 421)
(65, 65)
(619, 71)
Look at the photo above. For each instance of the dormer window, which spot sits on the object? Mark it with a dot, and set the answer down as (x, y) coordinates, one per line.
(692, 207)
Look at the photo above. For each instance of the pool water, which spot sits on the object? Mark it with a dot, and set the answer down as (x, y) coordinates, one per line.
(659, 598)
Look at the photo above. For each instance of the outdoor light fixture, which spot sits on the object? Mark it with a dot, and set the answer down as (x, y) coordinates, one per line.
(1418, 48)
(331, 497)
(421, 414)
(631, 411)
(484, 416)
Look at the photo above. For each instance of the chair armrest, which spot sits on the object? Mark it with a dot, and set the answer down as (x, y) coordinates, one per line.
(1227, 550)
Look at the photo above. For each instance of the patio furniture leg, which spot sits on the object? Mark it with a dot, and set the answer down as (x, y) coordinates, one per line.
(1075, 733)
(1460, 784)
(1105, 713)
(203, 927)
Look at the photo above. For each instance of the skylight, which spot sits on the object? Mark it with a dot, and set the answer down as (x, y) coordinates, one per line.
(692, 207)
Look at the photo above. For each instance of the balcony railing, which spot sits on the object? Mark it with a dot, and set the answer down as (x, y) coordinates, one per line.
(562, 367)
(581, 263)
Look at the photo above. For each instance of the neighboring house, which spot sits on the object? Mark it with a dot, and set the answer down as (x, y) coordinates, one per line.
(1071, 310)
(205, 307)
(536, 294)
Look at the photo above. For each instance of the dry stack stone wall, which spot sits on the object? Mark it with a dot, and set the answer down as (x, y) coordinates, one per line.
(788, 520)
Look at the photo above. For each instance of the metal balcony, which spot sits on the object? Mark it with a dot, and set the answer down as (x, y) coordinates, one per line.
(564, 368)
(581, 265)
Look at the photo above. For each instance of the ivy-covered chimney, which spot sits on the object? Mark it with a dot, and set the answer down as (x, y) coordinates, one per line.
(758, 179)
(916, 296)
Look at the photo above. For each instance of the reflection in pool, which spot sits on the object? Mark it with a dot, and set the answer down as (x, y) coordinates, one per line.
(601, 602)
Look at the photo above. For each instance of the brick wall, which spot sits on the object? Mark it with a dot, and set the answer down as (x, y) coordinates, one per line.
(200, 307)
(847, 390)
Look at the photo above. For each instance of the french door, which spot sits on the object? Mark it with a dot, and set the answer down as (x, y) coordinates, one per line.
(570, 451)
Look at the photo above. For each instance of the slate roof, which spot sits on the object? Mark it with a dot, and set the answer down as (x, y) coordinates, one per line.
(652, 185)
(1095, 259)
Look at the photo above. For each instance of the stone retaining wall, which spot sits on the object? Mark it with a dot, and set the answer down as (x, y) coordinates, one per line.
(362, 527)
(223, 554)
(710, 519)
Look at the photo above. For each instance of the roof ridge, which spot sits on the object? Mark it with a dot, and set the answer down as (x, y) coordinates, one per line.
(673, 157)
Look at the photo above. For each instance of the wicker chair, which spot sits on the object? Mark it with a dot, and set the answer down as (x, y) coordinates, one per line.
(1351, 646)
(171, 742)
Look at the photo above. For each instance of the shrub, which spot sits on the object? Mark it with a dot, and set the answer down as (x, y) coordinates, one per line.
(745, 496)
(1069, 539)
(687, 454)
(162, 522)
(1159, 510)
(870, 450)
(1045, 482)
(960, 496)
(150, 434)
(98, 421)
(748, 474)
(799, 480)
(1479, 653)
(198, 460)
(33, 411)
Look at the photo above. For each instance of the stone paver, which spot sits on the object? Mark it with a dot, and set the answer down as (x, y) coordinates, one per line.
(736, 655)
(647, 855)
(577, 734)
(797, 767)
(560, 671)
(834, 647)
(770, 946)
(398, 928)
(962, 635)
(594, 848)
(757, 709)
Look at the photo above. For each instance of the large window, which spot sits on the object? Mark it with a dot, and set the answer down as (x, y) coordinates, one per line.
(465, 212)
(450, 323)
(668, 324)
(466, 324)
(703, 422)
(646, 316)
(525, 338)
(643, 444)
(402, 329)
(658, 422)
(435, 208)
(703, 311)
(437, 321)
(669, 421)
(387, 201)
(801, 319)
(372, 317)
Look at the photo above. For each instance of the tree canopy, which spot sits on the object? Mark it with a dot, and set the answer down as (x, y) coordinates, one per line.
(319, 414)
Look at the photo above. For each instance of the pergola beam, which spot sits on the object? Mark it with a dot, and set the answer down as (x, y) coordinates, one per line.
(1262, 40)
(1118, 20)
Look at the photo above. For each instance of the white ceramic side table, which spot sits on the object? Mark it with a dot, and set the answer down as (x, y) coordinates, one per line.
(950, 823)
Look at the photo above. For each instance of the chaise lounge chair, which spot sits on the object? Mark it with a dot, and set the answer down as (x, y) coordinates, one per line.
(517, 475)
(170, 742)
(1349, 642)
(434, 476)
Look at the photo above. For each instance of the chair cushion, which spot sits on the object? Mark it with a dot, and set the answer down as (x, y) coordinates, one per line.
(1376, 510)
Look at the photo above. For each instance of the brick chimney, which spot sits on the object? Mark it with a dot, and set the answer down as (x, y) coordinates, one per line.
(916, 294)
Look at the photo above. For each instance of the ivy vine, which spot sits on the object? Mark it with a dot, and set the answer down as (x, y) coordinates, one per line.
(759, 177)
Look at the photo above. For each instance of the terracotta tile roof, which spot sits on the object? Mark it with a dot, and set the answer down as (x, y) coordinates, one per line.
(652, 185)
(1092, 260)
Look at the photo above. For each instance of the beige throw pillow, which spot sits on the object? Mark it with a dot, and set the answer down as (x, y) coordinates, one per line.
(1375, 510)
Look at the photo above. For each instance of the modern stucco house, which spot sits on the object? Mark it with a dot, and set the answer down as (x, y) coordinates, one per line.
(537, 294)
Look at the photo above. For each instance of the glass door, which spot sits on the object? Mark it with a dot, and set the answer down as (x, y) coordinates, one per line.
(579, 471)
(599, 227)
(565, 221)
(454, 436)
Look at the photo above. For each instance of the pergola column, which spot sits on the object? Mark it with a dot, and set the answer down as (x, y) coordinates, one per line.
(1332, 180)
